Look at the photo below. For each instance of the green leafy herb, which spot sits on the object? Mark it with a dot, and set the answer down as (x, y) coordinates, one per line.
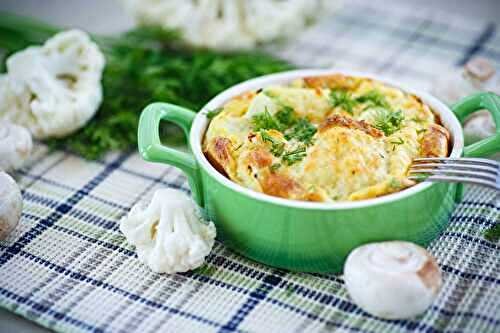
(399, 141)
(277, 147)
(493, 234)
(214, 112)
(423, 130)
(286, 116)
(144, 65)
(375, 99)
(274, 167)
(417, 120)
(266, 121)
(303, 131)
(389, 122)
(294, 156)
(342, 99)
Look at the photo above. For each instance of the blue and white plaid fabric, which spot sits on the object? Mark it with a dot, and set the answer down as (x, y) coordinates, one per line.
(68, 267)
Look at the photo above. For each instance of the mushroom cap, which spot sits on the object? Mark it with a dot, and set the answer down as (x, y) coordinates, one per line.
(15, 146)
(11, 203)
(392, 280)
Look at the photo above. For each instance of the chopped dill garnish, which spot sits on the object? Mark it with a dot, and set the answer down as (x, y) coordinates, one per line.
(286, 116)
(265, 120)
(343, 99)
(493, 234)
(277, 147)
(374, 98)
(274, 167)
(295, 155)
(211, 114)
(400, 141)
(303, 131)
(238, 147)
(417, 120)
(287, 122)
(389, 122)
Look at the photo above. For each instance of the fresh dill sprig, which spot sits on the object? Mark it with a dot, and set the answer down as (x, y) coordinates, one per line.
(294, 156)
(277, 146)
(374, 98)
(399, 141)
(265, 121)
(274, 167)
(211, 114)
(286, 116)
(389, 122)
(342, 99)
(303, 131)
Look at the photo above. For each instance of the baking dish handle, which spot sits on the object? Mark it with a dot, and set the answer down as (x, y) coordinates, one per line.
(470, 104)
(152, 150)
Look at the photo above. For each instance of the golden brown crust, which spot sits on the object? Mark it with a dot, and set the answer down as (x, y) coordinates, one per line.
(435, 141)
(343, 121)
(335, 81)
(261, 158)
(218, 153)
(279, 185)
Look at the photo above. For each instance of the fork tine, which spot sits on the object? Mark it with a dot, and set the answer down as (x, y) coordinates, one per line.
(462, 160)
(473, 173)
(468, 167)
(454, 179)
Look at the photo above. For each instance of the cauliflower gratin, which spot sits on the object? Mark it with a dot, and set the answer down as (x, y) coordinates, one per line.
(328, 138)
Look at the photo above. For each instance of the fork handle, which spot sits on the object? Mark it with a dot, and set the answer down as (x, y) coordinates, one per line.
(471, 104)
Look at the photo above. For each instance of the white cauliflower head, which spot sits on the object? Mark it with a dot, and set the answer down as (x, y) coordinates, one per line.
(54, 89)
(168, 234)
(15, 146)
(230, 24)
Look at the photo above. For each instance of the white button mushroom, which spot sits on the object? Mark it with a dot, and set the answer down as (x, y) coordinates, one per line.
(11, 203)
(392, 280)
(15, 146)
(55, 89)
(168, 234)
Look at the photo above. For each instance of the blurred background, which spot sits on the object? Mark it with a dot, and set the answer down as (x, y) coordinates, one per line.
(417, 42)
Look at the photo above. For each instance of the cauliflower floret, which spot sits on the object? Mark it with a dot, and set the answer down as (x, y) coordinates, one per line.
(230, 24)
(168, 234)
(54, 89)
(15, 146)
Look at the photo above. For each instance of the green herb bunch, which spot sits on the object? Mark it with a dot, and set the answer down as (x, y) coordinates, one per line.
(144, 65)
(388, 121)
(294, 128)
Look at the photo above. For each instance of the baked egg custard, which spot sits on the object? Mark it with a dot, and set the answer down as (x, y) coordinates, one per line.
(326, 138)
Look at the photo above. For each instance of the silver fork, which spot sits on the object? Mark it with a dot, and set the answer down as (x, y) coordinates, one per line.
(478, 171)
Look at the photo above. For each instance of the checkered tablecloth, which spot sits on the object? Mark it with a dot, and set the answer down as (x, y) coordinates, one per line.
(68, 267)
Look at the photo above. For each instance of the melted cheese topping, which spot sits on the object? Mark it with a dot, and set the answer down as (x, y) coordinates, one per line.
(364, 137)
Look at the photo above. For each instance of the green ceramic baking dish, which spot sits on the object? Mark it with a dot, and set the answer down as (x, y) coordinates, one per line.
(308, 236)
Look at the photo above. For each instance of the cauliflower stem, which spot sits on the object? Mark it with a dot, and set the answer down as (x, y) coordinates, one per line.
(143, 65)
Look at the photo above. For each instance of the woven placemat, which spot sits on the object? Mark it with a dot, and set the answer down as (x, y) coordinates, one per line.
(68, 267)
